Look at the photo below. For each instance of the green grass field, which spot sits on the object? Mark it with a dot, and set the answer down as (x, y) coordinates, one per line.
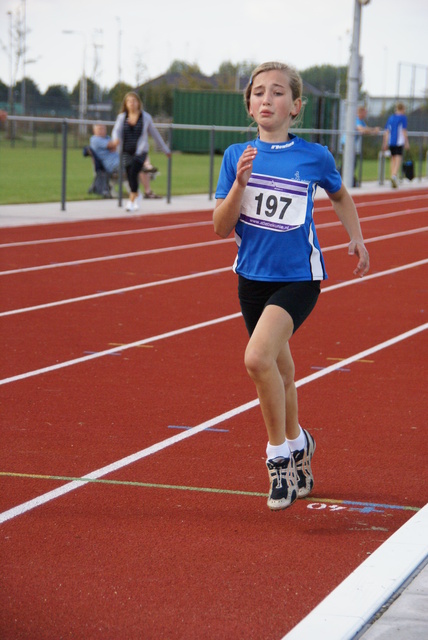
(34, 175)
(29, 175)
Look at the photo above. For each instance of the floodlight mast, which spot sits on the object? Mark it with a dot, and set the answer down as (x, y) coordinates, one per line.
(83, 86)
(352, 97)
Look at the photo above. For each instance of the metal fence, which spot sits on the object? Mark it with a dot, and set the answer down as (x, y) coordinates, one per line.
(66, 132)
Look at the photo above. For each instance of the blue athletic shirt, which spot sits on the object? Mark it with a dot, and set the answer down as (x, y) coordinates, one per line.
(395, 125)
(275, 233)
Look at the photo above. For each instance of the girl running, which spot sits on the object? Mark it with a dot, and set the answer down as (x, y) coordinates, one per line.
(266, 193)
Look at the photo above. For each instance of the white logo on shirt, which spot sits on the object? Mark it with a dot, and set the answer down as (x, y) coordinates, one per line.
(282, 146)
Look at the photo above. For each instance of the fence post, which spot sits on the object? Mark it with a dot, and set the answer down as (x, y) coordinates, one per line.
(169, 176)
(421, 157)
(360, 168)
(12, 133)
(381, 167)
(120, 185)
(212, 142)
(64, 164)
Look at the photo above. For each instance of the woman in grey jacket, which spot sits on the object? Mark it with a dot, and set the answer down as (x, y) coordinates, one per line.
(131, 134)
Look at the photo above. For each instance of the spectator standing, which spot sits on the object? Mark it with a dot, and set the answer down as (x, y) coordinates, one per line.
(395, 138)
(131, 132)
(362, 129)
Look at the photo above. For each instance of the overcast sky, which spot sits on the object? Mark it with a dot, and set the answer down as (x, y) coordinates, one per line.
(152, 34)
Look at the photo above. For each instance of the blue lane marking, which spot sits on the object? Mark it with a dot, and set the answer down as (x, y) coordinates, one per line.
(110, 354)
(321, 368)
(174, 426)
(368, 507)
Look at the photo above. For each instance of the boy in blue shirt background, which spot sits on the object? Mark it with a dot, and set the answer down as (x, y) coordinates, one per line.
(395, 137)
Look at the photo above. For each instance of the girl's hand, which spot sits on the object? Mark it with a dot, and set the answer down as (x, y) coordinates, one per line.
(245, 166)
(357, 248)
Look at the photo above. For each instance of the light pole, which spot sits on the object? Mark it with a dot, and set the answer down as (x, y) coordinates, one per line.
(83, 91)
(352, 97)
(9, 13)
(119, 49)
(97, 73)
(24, 53)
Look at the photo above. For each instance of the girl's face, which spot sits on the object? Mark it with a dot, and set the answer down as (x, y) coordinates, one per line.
(132, 103)
(272, 105)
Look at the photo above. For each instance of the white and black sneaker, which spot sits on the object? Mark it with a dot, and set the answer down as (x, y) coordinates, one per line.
(302, 459)
(283, 483)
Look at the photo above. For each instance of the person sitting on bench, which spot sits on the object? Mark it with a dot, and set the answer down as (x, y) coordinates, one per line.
(102, 149)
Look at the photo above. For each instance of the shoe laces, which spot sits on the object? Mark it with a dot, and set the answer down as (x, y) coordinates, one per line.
(281, 469)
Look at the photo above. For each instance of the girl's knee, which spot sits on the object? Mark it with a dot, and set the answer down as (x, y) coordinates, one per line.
(256, 362)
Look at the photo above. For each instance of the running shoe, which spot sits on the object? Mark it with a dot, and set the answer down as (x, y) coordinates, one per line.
(302, 459)
(132, 207)
(283, 483)
(394, 182)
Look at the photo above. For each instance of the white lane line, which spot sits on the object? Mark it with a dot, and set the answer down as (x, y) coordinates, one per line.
(349, 607)
(183, 247)
(373, 276)
(118, 256)
(123, 347)
(202, 274)
(109, 234)
(191, 225)
(113, 292)
(176, 332)
(71, 486)
(380, 216)
(389, 236)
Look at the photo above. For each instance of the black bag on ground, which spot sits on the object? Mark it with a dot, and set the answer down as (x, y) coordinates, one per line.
(101, 185)
(408, 168)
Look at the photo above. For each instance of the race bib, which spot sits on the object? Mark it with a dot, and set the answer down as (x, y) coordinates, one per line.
(277, 204)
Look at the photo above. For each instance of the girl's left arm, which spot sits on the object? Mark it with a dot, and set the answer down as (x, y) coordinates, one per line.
(347, 213)
(158, 138)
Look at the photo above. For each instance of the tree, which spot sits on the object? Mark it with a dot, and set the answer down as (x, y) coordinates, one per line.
(33, 97)
(92, 89)
(117, 93)
(327, 78)
(56, 99)
(226, 76)
(158, 99)
(183, 68)
(4, 92)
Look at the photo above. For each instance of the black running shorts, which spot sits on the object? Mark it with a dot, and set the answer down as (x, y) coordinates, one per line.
(297, 298)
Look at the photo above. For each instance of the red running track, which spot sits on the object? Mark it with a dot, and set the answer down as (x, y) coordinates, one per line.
(174, 539)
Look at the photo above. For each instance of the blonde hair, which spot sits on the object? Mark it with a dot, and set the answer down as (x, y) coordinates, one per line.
(294, 79)
(129, 95)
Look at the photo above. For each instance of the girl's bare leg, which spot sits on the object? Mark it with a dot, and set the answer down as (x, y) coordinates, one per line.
(270, 365)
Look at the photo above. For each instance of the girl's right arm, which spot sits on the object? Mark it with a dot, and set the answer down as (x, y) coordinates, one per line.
(116, 134)
(227, 210)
